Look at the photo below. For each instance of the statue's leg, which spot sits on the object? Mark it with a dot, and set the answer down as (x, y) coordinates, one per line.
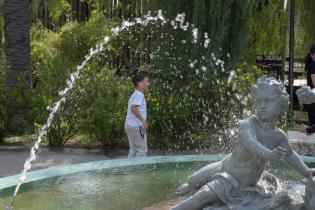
(202, 198)
(200, 178)
(203, 175)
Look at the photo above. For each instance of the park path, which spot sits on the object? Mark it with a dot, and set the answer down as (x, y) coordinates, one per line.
(12, 158)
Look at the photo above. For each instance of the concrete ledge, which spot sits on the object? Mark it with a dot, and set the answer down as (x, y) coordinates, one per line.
(32, 176)
(301, 143)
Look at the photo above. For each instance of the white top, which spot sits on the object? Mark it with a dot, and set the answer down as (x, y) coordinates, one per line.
(137, 98)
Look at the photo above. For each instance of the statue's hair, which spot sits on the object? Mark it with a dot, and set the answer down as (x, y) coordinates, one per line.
(278, 87)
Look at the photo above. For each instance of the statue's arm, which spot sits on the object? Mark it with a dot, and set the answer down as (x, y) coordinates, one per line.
(297, 163)
(293, 158)
(250, 141)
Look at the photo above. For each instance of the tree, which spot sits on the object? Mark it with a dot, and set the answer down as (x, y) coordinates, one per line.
(17, 21)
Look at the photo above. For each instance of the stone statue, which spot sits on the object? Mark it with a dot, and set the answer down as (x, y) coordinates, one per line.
(236, 182)
(306, 95)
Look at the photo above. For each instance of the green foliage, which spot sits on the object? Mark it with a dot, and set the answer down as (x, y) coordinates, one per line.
(304, 26)
(265, 37)
(16, 111)
(103, 5)
(55, 7)
(108, 96)
(190, 94)
(56, 55)
(186, 101)
(219, 18)
(95, 108)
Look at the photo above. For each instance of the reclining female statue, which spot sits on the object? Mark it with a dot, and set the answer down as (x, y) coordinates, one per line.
(232, 183)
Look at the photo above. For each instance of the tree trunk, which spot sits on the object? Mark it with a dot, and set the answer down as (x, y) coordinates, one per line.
(17, 21)
(1, 41)
(283, 25)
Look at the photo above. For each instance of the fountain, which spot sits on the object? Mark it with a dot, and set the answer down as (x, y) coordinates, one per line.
(107, 184)
(233, 183)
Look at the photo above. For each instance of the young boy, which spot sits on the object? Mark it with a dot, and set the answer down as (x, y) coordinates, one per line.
(233, 182)
(136, 120)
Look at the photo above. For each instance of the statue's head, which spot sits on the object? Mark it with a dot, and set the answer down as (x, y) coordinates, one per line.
(270, 99)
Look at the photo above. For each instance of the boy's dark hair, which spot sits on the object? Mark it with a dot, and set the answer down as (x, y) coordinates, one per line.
(139, 76)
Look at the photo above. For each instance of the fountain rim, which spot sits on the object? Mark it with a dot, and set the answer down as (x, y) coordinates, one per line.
(37, 175)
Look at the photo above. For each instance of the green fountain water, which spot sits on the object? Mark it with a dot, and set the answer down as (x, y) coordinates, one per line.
(113, 184)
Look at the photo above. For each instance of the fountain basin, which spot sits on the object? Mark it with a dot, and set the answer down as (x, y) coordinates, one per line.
(113, 184)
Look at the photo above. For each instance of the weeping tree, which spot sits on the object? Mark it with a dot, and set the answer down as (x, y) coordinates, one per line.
(304, 26)
(265, 35)
(309, 22)
(190, 94)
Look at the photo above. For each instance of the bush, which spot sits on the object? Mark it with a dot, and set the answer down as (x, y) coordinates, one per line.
(67, 121)
(16, 108)
(106, 115)
(95, 108)
(198, 113)
(56, 55)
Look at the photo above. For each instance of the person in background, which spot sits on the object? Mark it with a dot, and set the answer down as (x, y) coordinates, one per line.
(310, 108)
(136, 120)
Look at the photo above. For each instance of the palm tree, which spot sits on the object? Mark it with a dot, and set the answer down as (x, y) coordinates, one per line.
(17, 21)
(1, 34)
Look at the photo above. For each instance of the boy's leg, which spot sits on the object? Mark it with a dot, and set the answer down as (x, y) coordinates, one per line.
(205, 196)
(141, 144)
(131, 136)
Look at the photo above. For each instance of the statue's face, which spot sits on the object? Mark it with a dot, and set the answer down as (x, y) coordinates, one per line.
(267, 105)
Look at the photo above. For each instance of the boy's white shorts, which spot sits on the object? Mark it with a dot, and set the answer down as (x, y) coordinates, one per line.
(137, 138)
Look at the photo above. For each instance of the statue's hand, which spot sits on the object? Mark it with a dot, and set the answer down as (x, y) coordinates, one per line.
(183, 189)
(312, 171)
(280, 154)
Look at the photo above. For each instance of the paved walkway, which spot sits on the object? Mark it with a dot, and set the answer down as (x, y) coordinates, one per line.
(298, 136)
(12, 158)
(302, 144)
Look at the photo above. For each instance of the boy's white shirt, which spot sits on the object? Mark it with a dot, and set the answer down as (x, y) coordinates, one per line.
(137, 98)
